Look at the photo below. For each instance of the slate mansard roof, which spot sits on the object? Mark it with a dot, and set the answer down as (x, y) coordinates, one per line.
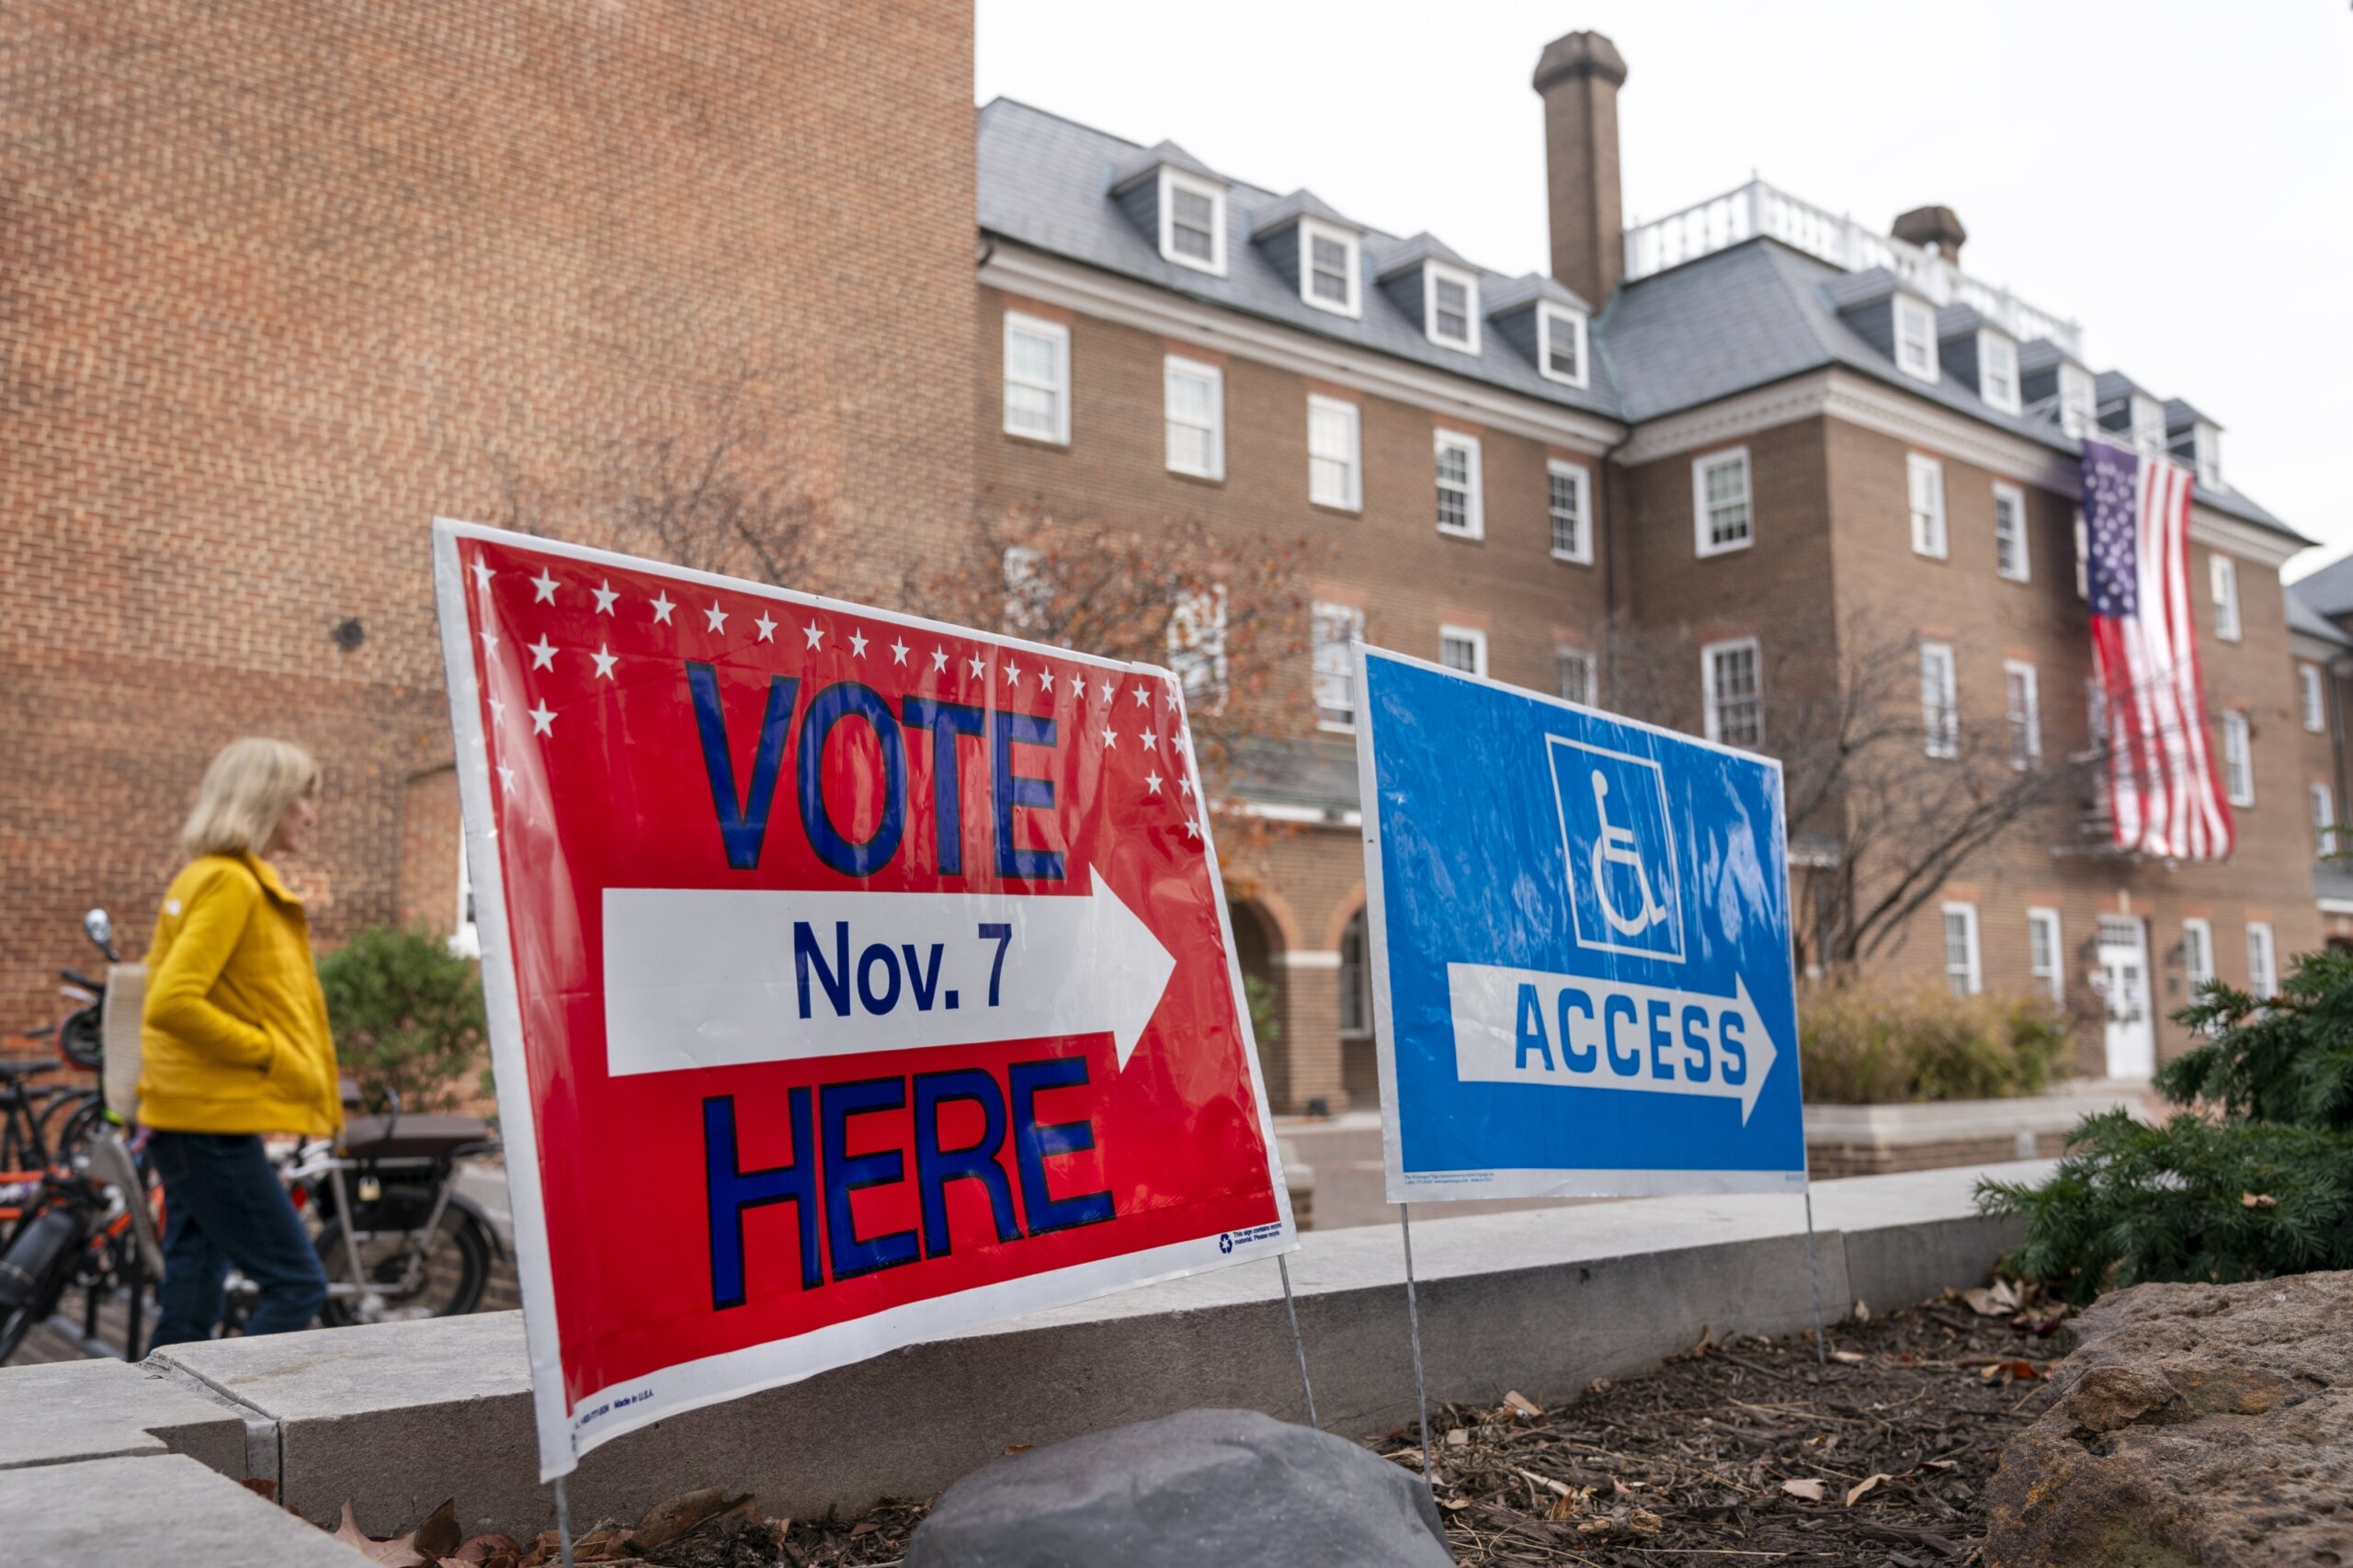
(1728, 321)
(1046, 182)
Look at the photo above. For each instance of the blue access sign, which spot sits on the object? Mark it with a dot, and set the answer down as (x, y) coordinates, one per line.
(1580, 930)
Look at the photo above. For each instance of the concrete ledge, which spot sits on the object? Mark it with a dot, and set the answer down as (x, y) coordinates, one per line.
(398, 1417)
(1933, 1122)
(105, 1513)
(70, 1411)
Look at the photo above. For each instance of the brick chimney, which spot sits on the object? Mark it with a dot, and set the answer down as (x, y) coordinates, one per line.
(1936, 228)
(1578, 78)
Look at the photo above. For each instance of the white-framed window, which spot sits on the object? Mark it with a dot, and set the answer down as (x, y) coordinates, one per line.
(2197, 954)
(2148, 425)
(2224, 572)
(1732, 689)
(2238, 763)
(1029, 590)
(1196, 415)
(2206, 448)
(1997, 370)
(2023, 703)
(1335, 474)
(1569, 503)
(1721, 517)
(1193, 222)
(2262, 961)
(1330, 268)
(1335, 671)
(1915, 337)
(1451, 306)
(2324, 820)
(2010, 557)
(1197, 648)
(1939, 708)
(2078, 399)
(1356, 980)
(2045, 957)
(1926, 478)
(1463, 648)
(1037, 378)
(1458, 509)
(1573, 675)
(2083, 558)
(1964, 971)
(1561, 344)
(2308, 698)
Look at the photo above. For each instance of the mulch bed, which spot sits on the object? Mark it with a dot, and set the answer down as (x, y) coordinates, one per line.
(1749, 1451)
(1746, 1450)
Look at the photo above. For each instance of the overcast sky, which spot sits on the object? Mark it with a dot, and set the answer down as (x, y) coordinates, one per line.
(2178, 178)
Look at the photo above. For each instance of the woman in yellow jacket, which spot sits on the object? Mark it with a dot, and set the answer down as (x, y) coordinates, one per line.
(234, 1044)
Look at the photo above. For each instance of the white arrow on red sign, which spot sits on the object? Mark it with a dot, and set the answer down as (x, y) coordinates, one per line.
(705, 977)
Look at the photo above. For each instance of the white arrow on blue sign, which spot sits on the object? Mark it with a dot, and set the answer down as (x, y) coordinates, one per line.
(1580, 941)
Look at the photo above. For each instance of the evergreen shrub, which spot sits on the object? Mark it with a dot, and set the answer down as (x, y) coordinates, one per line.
(407, 1015)
(2252, 1179)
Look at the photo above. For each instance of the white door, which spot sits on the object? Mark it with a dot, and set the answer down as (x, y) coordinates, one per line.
(2124, 981)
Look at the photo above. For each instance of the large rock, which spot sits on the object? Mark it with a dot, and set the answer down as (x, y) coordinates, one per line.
(1230, 1487)
(2194, 1425)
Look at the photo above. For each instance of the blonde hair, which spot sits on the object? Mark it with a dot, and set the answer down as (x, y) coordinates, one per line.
(246, 790)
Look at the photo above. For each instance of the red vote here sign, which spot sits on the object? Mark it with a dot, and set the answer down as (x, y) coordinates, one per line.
(853, 978)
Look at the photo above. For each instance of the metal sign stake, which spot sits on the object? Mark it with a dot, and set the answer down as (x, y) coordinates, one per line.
(1413, 1318)
(562, 1522)
(1299, 1345)
(1813, 1277)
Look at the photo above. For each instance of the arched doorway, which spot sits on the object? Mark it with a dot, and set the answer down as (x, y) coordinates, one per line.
(1360, 1066)
(1256, 946)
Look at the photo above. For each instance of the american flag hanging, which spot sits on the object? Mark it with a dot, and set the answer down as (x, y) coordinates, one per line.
(2165, 791)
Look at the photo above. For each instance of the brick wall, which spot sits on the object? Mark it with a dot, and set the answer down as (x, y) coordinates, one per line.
(280, 282)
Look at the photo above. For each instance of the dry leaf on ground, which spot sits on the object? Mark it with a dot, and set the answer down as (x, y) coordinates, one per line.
(1864, 1484)
(1519, 1403)
(400, 1553)
(1805, 1487)
(1851, 1358)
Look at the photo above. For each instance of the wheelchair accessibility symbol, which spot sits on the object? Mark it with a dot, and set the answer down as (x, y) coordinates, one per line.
(1620, 838)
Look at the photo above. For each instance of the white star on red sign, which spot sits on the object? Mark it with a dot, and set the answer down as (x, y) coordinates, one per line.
(1108, 688)
(1151, 740)
(489, 644)
(857, 643)
(1013, 673)
(506, 777)
(977, 665)
(483, 574)
(542, 720)
(662, 607)
(542, 653)
(767, 627)
(1143, 697)
(604, 597)
(497, 710)
(1046, 679)
(898, 651)
(605, 660)
(1192, 827)
(814, 632)
(543, 588)
(1151, 782)
(1109, 740)
(714, 619)
(939, 660)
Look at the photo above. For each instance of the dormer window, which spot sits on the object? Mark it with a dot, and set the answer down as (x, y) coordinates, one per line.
(1329, 268)
(1997, 371)
(1561, 344)
(1451, 306)
(1193, 222)
(2078, 399)
(1915, 337)
(2206, 442)
(2148, 424)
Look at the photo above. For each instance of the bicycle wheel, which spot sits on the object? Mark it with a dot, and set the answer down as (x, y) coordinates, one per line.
(76, 1116)
(413, 1275)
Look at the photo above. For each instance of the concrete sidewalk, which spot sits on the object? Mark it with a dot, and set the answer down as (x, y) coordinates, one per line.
(398, 1417)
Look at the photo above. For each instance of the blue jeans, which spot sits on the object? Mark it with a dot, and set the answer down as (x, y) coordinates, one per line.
(222, 1205)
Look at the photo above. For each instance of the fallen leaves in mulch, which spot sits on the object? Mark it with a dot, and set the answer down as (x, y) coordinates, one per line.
(709, 1528)
(1747, 1449)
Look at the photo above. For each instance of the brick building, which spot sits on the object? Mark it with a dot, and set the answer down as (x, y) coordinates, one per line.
(280, 282)
(1696, 457)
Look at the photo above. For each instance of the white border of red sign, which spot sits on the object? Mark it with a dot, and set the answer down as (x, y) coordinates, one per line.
(711, 1379)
